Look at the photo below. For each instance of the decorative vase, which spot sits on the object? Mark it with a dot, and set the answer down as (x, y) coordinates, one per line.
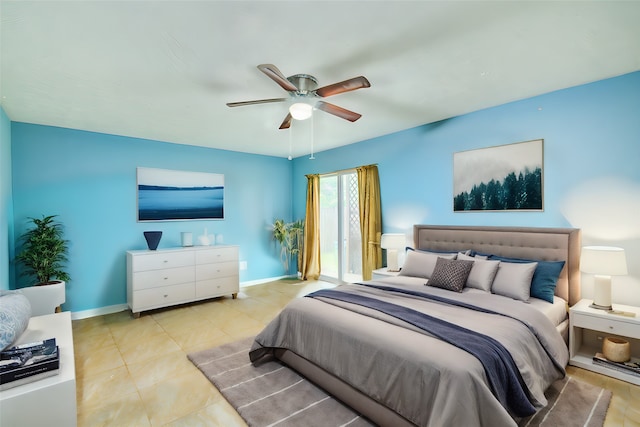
(203, 240)
(616, 349)
(153, 238)
(187, 239)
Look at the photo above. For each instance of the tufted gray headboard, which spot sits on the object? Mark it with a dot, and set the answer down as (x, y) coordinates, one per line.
(547, 244)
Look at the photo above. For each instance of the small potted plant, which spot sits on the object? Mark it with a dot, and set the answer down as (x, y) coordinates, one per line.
(296, 233)
(290, 237)
(43, 256)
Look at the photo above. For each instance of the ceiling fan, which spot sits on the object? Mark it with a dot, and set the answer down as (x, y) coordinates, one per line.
(303, 90)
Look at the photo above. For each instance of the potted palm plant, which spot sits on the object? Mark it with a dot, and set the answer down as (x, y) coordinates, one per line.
(43, 256)
(290, 237)
(296, 233)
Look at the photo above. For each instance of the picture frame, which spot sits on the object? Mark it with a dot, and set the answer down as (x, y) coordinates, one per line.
(500, 178)
(172, 195)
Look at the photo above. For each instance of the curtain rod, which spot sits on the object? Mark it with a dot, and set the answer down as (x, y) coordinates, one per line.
(345, 170)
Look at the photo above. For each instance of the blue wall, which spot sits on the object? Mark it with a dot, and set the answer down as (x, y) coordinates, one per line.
(591, 181)
(591, 166)
(6, 201)
(89, 180)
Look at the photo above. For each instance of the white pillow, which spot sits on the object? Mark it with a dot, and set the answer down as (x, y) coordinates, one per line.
(421, 264)
(482, 273)
(513, 280)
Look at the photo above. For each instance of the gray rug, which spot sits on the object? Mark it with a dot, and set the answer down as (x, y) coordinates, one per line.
(272, 394)
(572, 403)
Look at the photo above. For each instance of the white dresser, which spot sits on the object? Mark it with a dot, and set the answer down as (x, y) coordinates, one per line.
(178, 275)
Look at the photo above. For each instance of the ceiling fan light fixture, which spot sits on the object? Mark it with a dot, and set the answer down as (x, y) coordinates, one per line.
(300, 110)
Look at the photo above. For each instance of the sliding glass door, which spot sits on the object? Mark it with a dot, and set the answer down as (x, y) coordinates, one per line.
(340, 240)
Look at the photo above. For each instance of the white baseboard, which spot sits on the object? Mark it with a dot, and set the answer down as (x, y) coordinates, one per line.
(76, 315)
(261, 281)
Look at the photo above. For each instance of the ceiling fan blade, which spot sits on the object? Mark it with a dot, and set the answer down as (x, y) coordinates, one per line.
(338, 111)
(345, 86)
(274, 74)
(258, 101)
(286, 123)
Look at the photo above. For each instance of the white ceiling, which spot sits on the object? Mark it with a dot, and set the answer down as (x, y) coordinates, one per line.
(164, 70)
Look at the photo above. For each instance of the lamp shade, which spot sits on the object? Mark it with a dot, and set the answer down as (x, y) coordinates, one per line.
(393, 241)
(300, 111)
(603, 261)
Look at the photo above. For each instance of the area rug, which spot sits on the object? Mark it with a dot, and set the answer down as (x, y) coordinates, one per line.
(271, 394)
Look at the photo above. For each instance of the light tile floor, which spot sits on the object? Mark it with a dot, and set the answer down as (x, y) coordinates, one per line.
(134, 372)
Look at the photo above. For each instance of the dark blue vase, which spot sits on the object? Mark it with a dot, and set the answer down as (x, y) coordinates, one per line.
(153, 238)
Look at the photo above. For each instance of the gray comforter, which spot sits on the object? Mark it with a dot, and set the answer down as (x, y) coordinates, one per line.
(426, 380)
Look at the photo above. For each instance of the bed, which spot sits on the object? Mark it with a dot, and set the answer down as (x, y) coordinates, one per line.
(402, 353)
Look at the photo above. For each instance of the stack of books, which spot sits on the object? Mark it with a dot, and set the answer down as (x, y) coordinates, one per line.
(631, 367)
(29, 362)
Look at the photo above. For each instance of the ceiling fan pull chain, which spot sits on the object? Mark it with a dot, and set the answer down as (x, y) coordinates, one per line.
(290, 144)
(312, 138)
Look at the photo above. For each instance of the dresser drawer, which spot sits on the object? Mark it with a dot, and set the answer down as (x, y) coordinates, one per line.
(220, 269)
(160, 260)
(162, 296)
(217, 255)
(613, 326)
(217, 287)
(166, 277)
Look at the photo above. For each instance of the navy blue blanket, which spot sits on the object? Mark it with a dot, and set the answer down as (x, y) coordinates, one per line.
(504, 377)
(432, 297)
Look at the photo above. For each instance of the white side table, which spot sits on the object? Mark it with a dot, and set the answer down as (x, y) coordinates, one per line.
(381, 273)
(588, 328)
(49, 401)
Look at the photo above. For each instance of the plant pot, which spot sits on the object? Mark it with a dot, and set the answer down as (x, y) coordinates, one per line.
(45, 299)
(153, 239)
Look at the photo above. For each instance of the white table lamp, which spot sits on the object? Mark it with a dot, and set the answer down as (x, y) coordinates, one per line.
(603, 262)
(392, 242)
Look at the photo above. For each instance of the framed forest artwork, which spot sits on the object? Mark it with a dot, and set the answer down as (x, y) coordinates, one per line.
(502, 178)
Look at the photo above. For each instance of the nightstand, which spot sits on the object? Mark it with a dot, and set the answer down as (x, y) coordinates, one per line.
(589, 326)
(381, 273)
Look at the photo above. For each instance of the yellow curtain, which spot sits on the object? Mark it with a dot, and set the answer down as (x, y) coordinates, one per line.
(311, 257)
(370, 219)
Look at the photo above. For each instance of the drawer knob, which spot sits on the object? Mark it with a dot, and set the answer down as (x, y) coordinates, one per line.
(165, 295)
(166, 278)
(166, 261)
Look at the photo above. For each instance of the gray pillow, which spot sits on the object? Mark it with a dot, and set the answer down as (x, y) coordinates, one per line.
(450, 274)
(15, 312)
(421, 264)
(513, 280)
(482, 273)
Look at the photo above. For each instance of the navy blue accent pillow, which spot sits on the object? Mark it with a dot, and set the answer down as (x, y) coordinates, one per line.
(545, 278)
